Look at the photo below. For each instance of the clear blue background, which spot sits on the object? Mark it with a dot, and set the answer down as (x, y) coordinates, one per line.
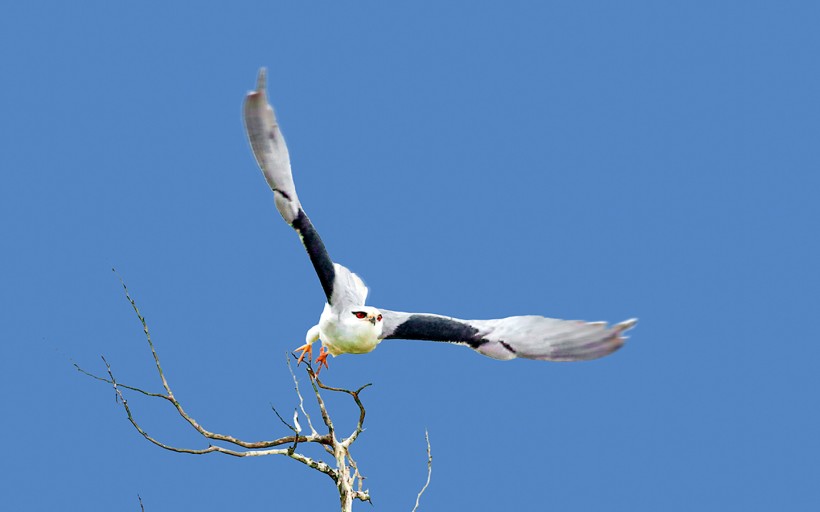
(593, 160)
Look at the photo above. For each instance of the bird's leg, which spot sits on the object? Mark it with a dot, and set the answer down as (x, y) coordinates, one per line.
(307, 348)
(322, 359)
(311, 336)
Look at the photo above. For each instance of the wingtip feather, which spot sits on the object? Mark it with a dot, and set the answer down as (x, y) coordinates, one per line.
(261, 80)
(260, 92)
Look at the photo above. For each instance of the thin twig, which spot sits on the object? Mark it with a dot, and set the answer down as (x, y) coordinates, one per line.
(255, 445)
(299, 394)
(132, 388)
(429, 470)
(292, 427)
(147, 336)
(321, 402)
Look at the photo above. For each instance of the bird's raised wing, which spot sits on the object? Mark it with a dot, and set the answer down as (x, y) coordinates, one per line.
(530, 337)
(341, 286)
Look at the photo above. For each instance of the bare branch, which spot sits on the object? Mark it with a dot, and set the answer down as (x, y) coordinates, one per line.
(429, 470)
(362, 412)
(256, 445)
(146, 393)
(169, 396)
(325, 415)
(318, 465)
(363, 495)
(147, 336)
(292, 427)
(299, 394)
(341, 474)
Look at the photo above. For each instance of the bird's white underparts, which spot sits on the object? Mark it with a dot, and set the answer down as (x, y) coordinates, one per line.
(348, 326)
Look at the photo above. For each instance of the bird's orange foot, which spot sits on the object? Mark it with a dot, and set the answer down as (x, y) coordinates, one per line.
(322, 359)
(307, 348)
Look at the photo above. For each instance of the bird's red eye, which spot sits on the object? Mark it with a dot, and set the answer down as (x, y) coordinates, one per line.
(379, 318)
(360, 314)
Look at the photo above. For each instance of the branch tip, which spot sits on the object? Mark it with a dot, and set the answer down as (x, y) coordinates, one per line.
(429, 470)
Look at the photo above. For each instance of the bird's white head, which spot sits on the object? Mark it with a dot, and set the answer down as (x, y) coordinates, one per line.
(362, 322)
(350, 330)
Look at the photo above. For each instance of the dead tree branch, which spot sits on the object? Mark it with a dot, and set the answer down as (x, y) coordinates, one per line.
(344, 472)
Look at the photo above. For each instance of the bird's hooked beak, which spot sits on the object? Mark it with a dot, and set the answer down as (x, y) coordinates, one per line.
(371, 319)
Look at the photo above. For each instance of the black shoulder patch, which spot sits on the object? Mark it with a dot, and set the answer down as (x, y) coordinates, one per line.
(437, 328)
(317, 252)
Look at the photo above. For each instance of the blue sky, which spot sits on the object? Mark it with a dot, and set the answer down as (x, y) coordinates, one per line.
(593, 160)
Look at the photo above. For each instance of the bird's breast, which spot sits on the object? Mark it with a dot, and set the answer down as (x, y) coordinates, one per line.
(345, 339)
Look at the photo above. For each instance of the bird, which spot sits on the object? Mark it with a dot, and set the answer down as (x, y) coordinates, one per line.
(348, 326)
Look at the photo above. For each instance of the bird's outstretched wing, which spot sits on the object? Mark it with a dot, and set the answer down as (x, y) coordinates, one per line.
(530, 337)
(341, 286)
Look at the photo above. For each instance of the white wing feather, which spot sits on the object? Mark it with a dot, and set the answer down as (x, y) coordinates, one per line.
(348, 288)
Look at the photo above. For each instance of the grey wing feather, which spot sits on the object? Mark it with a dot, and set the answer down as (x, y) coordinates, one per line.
(529, 337)
(270, 150)
(340, 285)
